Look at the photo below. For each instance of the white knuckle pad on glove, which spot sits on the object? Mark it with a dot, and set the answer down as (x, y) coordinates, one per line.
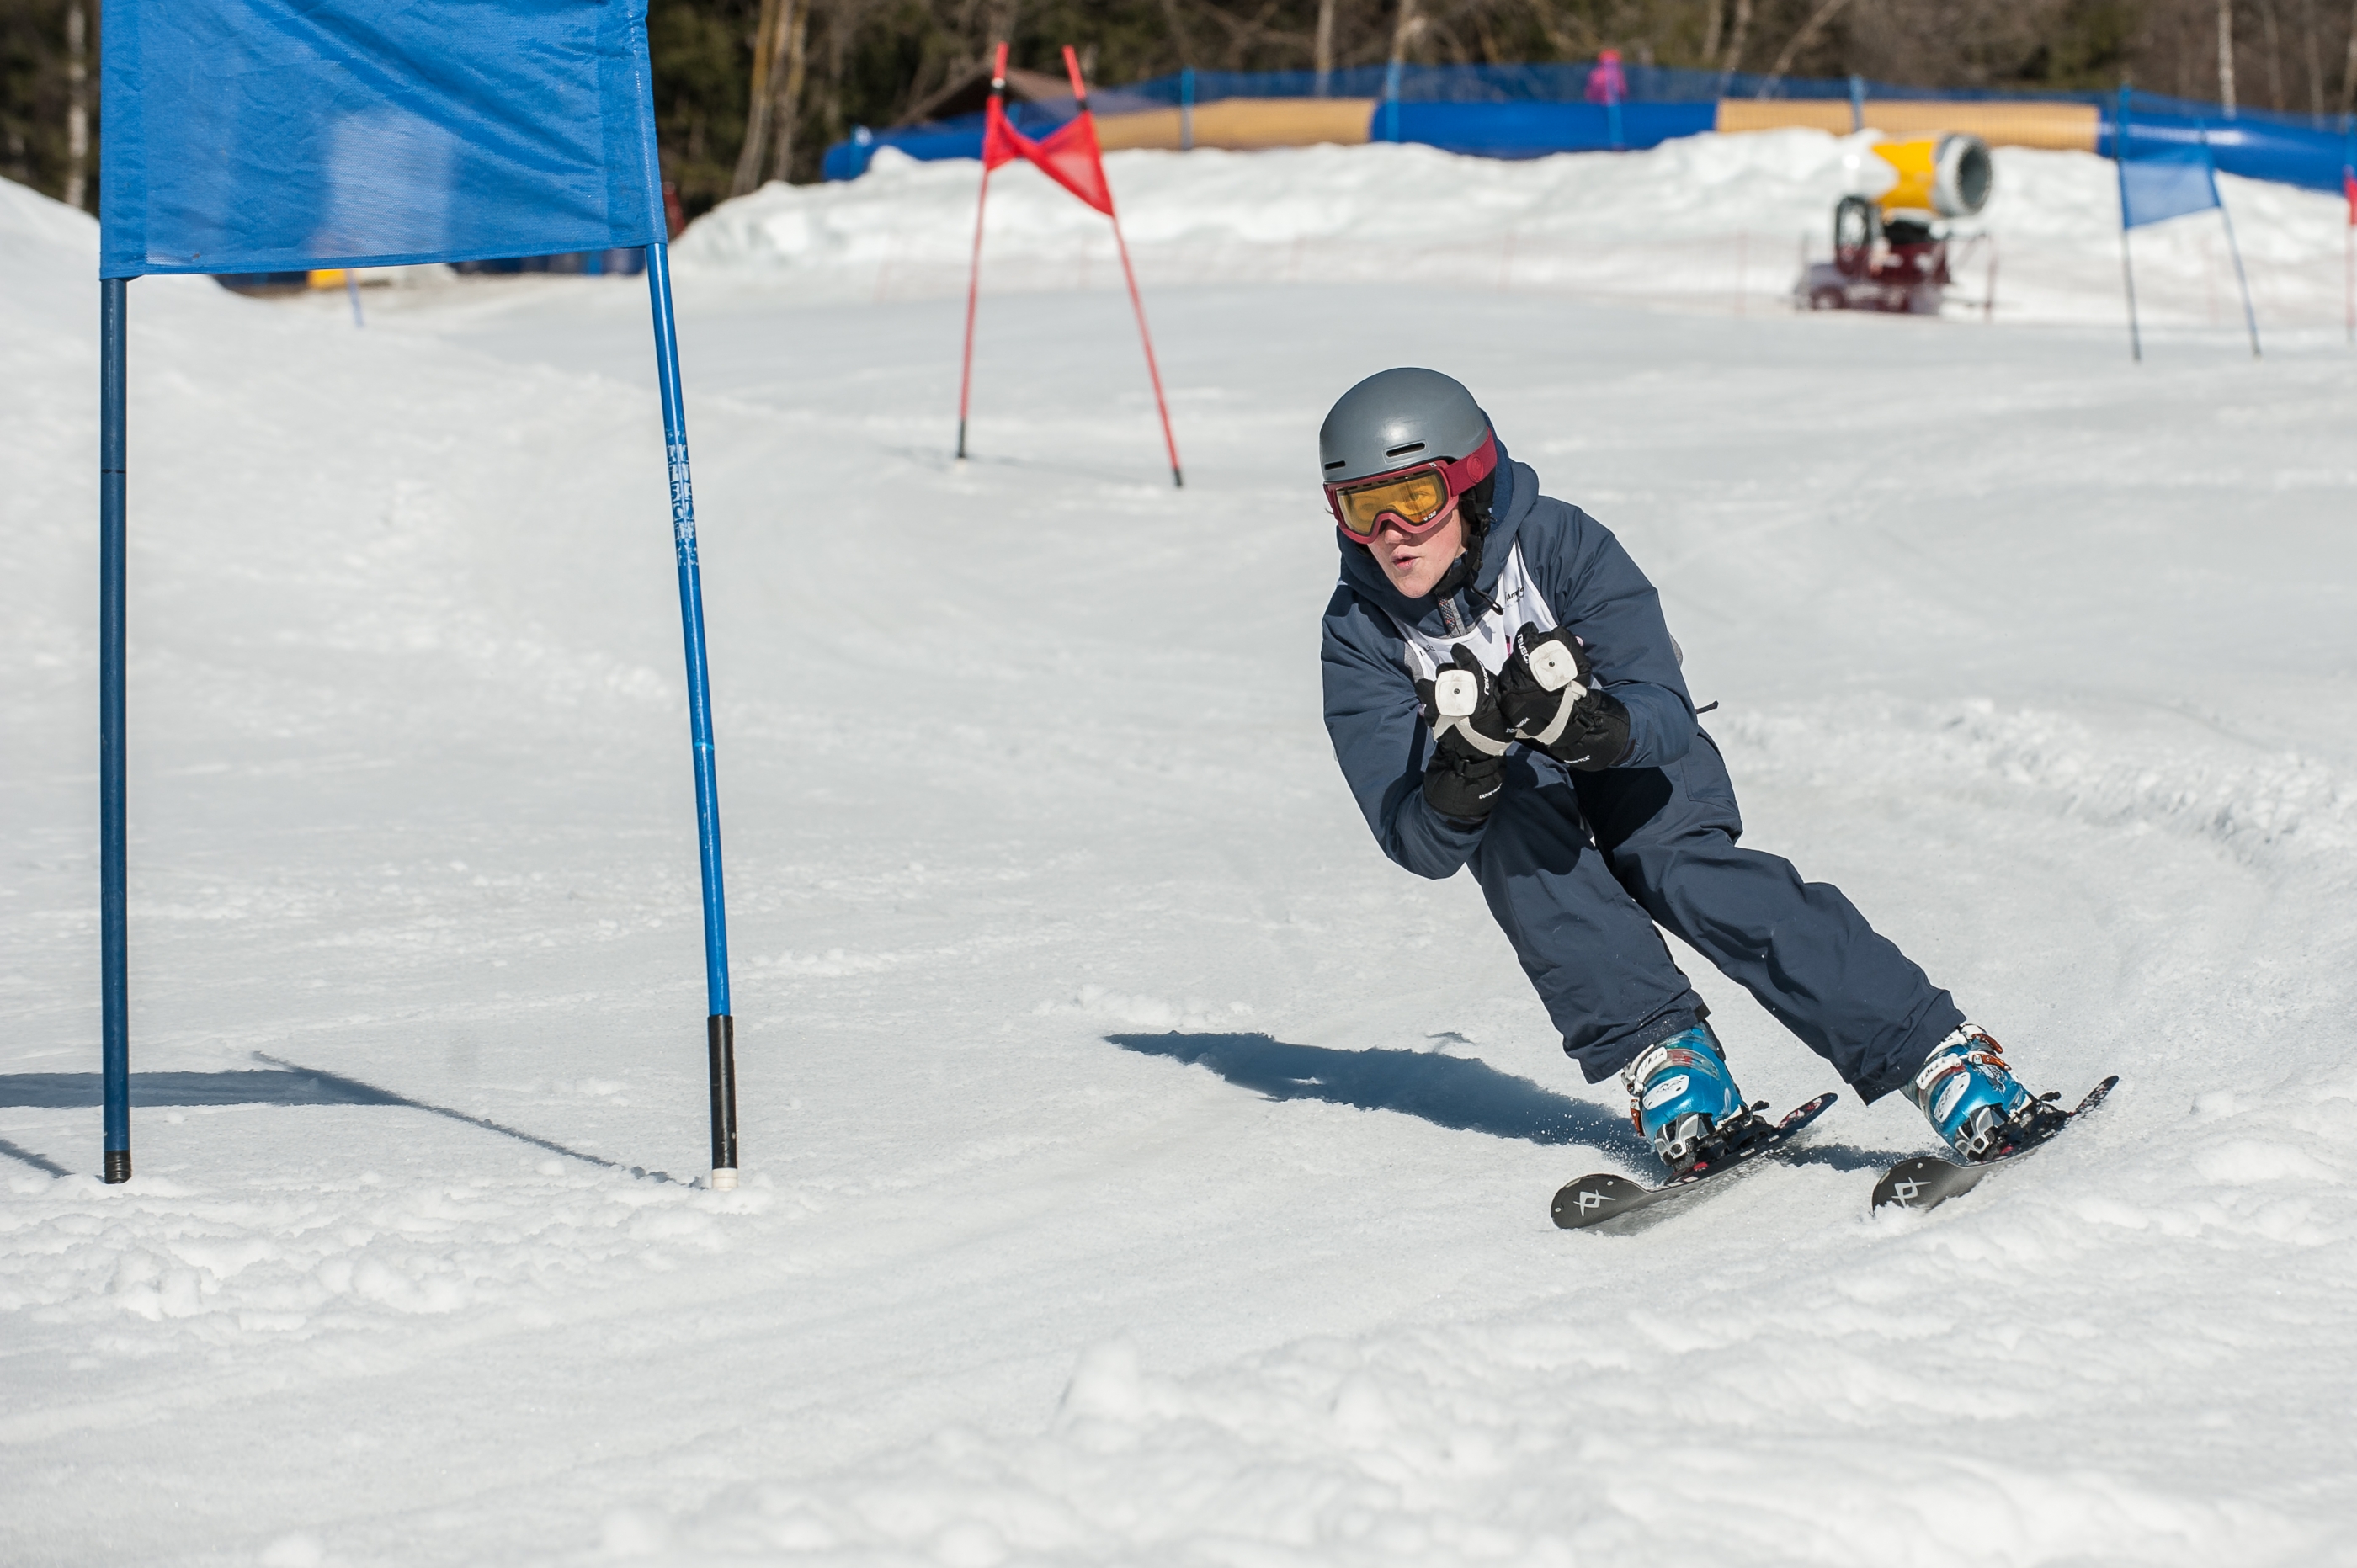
(1557, 669)
(1456, 694)
(1459, 699)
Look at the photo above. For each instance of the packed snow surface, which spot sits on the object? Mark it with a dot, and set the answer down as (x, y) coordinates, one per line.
(1139, 1169)
(1719, 224)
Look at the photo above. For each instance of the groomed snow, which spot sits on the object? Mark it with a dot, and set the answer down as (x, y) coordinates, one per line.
(1712, 222)
(1139, 1168)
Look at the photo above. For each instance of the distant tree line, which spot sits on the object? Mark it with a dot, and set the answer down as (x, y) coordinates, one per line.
(747, 90)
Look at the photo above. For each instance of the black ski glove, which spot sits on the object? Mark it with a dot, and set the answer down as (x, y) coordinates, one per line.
(1543, 680)
(1470, 736)
(1545, 695)
(1461, 787)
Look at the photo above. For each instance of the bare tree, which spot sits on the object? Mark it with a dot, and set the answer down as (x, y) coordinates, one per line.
(788, 110)
(2348, 66)
(1733, 61)
(2275, 53)
(2226, 56)
(759, 103)
(1177, 32)
(2312, 55)
(77, 105)
(1404, 33)
(1825, 13)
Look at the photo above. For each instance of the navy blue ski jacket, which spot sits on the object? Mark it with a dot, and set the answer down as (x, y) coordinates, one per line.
(1580, 868)
(1587, 580)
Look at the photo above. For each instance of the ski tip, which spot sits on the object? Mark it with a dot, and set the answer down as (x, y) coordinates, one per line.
(1595, 1200)
(1592, 1199)
(1924, 1182)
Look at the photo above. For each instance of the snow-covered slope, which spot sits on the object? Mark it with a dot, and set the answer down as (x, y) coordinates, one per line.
(1140, 1169)
(1714, 222)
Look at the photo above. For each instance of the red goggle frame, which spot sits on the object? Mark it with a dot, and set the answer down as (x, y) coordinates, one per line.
(1415, 496)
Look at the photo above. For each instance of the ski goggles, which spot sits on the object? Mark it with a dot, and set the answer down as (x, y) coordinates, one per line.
(1416, 498)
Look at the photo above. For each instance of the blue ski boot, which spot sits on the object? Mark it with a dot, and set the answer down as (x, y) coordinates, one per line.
(1684, 1103)
(1969, 1096)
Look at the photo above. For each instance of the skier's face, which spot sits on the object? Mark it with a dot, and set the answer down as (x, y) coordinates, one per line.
(1414, 565)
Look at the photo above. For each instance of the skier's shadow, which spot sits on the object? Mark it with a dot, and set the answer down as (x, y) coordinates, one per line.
(1448, 1091)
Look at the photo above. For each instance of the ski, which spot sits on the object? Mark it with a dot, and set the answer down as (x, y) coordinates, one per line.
(1595, 1200)
(1928, 1181)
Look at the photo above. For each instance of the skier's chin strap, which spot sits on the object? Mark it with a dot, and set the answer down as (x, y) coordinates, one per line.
(1473, 511)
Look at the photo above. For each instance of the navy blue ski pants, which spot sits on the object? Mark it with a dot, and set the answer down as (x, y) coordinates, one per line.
(1614, 853)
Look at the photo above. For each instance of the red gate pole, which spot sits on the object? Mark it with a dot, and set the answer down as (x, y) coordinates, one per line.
(1128, 276)
(1153, 373)
(972, 290)
(973, 279)
(2348, 238)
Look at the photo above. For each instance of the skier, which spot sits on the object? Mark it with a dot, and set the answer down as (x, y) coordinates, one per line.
(1502, 692)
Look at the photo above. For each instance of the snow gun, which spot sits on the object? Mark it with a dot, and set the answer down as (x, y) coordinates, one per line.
(1893, 251)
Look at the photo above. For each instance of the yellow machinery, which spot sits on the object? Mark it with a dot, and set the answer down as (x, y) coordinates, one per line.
(1948, 177)
(1892, 253)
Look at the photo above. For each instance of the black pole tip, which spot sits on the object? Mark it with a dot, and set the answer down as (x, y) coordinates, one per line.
(118, 1166)
(1177, 480)
(720, 1037)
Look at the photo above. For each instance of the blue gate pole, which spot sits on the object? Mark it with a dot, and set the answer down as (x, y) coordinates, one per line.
(2226, 217)
(113, 914)
(719, 1028)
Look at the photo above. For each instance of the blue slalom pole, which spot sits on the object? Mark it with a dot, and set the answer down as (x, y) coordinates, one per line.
(2226, 217)
(720, 1029)
(114, 910)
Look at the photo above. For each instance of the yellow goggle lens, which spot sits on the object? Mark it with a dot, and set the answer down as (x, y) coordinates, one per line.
(1417, 499)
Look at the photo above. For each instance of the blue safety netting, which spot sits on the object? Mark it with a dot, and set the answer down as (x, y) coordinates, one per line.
(1529, 111)
(276, 135)
(2295, 149)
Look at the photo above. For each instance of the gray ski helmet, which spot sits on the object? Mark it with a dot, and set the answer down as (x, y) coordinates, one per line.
(1395, 419)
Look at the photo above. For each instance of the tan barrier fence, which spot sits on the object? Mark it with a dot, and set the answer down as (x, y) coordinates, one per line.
(2059, 127)
(1247, 124)
(1243, 124)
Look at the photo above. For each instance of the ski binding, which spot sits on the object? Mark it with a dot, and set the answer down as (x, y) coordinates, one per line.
(1928, 1181)
(1598, 1198)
